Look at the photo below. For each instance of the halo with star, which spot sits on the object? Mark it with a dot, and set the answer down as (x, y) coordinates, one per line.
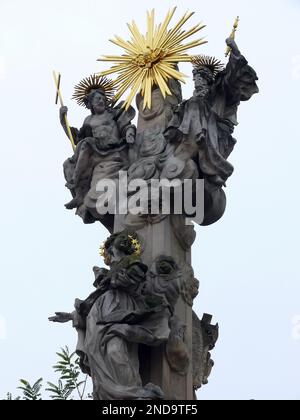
(134, 242)
(211, 63)
(151, 59)
(93, 82)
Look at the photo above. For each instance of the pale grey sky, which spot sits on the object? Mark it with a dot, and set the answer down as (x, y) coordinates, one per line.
(248, 263)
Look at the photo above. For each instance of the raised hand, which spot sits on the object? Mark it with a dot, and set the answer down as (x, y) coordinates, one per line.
(63, 110)
(234, 48)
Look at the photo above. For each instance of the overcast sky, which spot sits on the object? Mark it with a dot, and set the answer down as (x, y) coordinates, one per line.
(248, 263)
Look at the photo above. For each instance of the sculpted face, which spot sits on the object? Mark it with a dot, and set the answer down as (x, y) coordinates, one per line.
(97, 102)
(201, 82)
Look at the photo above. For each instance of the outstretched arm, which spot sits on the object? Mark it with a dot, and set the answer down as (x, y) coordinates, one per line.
(78, 321)
(61, 317)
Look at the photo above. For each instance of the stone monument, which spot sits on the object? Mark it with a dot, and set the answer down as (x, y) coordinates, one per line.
(138, 336)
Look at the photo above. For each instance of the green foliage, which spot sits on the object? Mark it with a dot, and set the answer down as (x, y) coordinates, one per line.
(69, 370)
(60, 391)
(31, 392)
(70, 385)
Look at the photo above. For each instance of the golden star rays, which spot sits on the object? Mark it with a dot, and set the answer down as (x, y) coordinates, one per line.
(211, 63)
(83, 88)
(151, 59)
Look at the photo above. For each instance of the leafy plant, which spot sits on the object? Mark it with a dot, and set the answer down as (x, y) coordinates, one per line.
(69, 370)
(71, 383)
(31, 392)
(60, 391)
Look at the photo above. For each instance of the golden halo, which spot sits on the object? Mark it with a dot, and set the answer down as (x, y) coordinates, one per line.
(134, 242)
(93, 82)
(136, 245)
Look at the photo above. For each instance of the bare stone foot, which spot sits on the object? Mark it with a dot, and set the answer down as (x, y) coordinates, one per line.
(70, 185)
(73, 204)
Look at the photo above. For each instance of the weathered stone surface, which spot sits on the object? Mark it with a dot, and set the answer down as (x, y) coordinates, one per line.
(138, 336)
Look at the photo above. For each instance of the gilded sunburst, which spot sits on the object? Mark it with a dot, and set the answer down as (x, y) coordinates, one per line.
(151, 59)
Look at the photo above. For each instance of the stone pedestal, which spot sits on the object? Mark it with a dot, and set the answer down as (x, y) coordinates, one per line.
(159, 239)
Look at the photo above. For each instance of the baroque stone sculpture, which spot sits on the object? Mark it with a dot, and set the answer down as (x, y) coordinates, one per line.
(138, 336)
